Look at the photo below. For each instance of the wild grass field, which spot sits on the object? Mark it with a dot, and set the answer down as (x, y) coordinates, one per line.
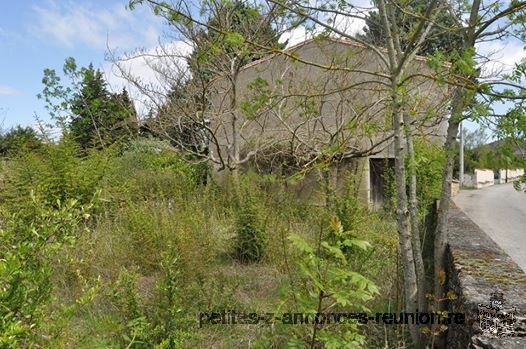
(123, 248)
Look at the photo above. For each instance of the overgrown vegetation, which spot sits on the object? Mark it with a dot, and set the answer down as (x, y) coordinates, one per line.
(124, 247)
(108, 240)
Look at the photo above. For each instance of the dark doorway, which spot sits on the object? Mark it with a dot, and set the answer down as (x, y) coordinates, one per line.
(379, 170)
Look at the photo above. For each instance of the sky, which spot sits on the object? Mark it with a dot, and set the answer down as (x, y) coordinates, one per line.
(39, 34)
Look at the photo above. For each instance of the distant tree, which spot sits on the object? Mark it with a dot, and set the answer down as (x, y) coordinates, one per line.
(511, 132)
(172, 122)
(18, 139)
(441, 37)
(125, 114)
(98, 116)
(85, 109)
(237, 20)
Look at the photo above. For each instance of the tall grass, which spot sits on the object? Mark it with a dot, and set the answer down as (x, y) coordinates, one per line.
(153, 246)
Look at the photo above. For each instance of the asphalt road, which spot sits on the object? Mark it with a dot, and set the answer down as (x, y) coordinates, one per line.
(501, 212)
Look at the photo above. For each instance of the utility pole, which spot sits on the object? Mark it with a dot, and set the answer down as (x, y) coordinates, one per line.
(461, 158)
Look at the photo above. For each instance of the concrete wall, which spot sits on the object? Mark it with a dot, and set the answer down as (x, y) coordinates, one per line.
(481, 178)
(509, 175)
(484, 178)
(311, 107)
(475, 268)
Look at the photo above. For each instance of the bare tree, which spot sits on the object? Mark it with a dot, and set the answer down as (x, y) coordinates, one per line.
(227, 36)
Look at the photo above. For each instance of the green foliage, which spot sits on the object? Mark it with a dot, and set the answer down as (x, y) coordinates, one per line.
(141, 246)
(173, 176)
(464, 62)
(85, 108)
(160, 325)
(327, 284)
(26, 255)
(174, 121)
(53, 174)
(511, 132)
(408, 14)
(38, 243)
(478, 153)
(18, 140)
(258, 98)
(250, 235)
(429, 162)
(56, 173)
(379, 229)
(56, 95)
(100, 117)
(231, 24)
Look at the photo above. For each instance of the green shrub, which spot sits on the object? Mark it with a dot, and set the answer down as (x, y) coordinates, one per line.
(158, 322)
(53, 173)
(27, 254)
(430, 160)
(152, 254)
(325, 281)
(250, 240)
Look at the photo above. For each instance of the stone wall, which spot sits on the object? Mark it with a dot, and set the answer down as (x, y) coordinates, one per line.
(476, 267)
(479, 179)
(509, 175)
(483, 178)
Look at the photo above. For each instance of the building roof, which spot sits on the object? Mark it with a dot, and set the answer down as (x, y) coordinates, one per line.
(347, 42)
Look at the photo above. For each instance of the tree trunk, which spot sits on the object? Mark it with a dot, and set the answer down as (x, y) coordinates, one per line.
(402, 214)
(234, 152)
(461, 100)
(458, 106)
(440, 240)
(413, 217)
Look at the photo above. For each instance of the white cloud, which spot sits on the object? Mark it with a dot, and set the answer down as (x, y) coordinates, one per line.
(9, 91)
(154, 70)
(499, 56)
(350, 25)
(295, 36)
(70, 24)
(347, 25)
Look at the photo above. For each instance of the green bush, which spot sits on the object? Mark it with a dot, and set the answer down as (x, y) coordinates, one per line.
(249, 245)
(27, 254)
(54, 174)
(430, 160)
(325, 281)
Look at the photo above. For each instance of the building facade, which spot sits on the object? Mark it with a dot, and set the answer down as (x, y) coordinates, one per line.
(324, 101)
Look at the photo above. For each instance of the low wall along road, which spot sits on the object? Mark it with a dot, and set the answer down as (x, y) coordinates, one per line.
(482, 178)
(479, 272)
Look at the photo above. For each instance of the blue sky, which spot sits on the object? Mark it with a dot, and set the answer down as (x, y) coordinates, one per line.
(38, 34)
(42, 33)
